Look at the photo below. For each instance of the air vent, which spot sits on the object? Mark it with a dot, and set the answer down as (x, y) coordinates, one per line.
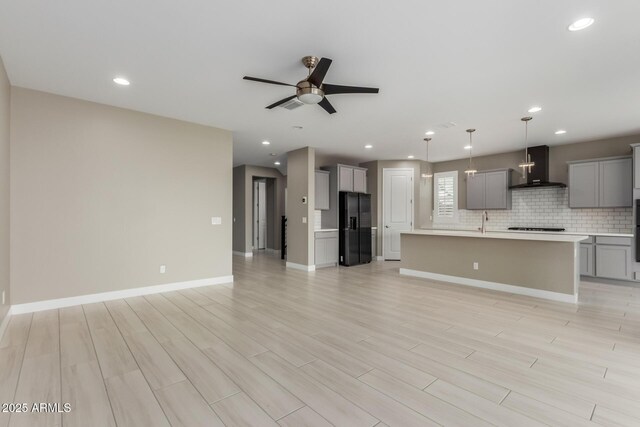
(293, 104)
(447, 125)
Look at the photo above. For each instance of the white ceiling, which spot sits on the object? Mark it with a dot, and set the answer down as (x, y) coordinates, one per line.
(477, 63)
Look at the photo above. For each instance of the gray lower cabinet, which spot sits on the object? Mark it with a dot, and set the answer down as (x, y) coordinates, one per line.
(607, 257)
(489, 190)
(326, 248)
(322, 190)
(586, 259)
(603, 183)
(613, 262)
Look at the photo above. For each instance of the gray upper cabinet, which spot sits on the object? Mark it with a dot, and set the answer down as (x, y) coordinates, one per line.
(360, 180)
(489, 190)
(351, 178)
(475, 191)
(345, 178)
(584, 185)
(322, 190)
(616, 183)
(636, 165)
(604, 183)
(496, 194)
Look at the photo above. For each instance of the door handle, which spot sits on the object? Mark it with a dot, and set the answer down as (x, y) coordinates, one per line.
(386, 226)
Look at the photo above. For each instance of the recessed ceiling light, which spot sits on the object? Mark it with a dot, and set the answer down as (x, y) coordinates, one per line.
(296, 127)
(581, 24)
(410, 157)
(368, 146)
(535, 109)
(265, 143)
(467, 147)
(561, 132)
(121, 81)
(273, 154)
(430, 132)
(276, 163)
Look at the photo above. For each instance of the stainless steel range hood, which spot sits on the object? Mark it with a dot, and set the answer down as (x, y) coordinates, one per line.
(539, 175)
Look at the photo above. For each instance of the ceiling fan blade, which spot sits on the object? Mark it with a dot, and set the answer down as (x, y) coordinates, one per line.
(282, 101)
(255, 79)
(327, 106)
(320, 70)
(338, 89)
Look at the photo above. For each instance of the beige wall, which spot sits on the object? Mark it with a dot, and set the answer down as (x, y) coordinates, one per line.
(5, 98)
(102, 196)
(559, 155)
(300, 183)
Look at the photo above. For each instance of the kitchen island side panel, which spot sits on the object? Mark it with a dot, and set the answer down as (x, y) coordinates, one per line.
(535, 264)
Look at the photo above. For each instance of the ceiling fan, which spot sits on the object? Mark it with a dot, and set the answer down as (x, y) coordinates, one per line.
(312, 90)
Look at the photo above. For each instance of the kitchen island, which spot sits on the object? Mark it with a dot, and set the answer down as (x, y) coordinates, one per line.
(540, 265)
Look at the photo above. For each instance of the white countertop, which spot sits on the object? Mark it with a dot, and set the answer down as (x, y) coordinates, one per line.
(548, 237)
(320, 230)
(567, 233)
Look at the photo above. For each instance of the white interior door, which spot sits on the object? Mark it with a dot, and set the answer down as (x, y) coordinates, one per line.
(397, 209)
(259, 215)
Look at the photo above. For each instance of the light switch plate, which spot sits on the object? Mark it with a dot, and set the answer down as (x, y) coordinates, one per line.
(475, 265)
(304, 219)
(163, 269)
(216, 220)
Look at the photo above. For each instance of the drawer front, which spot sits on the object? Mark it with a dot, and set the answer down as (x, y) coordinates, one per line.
(326, 234)
(606, 240)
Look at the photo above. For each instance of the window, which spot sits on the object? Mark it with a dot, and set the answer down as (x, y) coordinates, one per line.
(445, 197)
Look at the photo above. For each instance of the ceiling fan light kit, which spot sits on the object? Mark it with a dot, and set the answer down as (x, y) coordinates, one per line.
(313, 90)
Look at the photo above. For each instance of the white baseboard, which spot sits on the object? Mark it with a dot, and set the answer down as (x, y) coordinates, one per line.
(301, 266)
(520, 290)
(32, 307)
(5, 323)
(244, 254)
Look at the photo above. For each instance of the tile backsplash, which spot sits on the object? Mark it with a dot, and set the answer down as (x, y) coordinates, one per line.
(548, 207)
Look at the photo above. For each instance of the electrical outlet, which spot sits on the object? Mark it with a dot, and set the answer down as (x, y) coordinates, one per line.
(216, 220)
(475, 265)
(163, 269)
(304, 219)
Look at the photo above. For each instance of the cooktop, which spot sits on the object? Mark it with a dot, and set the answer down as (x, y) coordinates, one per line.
(537, 229)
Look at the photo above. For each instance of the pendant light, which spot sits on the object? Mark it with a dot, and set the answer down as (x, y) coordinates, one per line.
(527, 164)
(427, 175)
(470, 171)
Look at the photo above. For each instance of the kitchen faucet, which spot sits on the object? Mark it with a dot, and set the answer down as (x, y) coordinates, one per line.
(485, 219)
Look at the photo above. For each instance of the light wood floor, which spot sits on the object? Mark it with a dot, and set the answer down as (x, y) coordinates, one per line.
(358, 346)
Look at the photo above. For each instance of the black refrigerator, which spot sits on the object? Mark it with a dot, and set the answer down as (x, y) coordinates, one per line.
(355, 228)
